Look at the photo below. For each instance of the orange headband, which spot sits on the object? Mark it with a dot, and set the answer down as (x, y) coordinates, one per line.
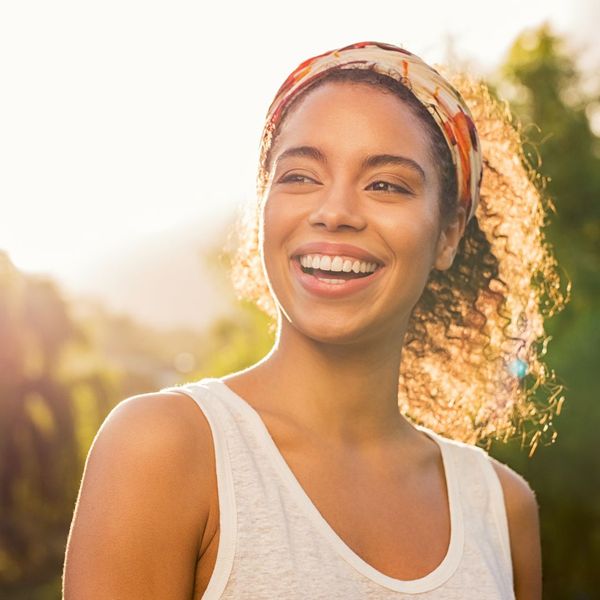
(440, 98)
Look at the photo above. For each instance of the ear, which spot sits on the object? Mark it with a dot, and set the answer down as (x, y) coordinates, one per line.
(449, 239)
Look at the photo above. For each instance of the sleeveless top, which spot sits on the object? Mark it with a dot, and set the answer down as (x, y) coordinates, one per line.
(274, 543)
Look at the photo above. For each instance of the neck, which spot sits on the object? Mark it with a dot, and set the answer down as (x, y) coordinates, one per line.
(342, 393)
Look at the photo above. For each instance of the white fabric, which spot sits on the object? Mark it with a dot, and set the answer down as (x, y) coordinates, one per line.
(275, 544)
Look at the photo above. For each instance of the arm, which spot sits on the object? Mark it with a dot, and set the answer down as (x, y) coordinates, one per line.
(143, 503)
(524, 531)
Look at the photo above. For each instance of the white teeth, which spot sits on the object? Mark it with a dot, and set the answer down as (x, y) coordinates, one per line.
(338, 264)
(333, 281)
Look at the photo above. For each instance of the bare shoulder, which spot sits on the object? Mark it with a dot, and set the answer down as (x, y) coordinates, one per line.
(522, 513)
(519, 497)
(165, 429)
(143, 502)
(164, 417)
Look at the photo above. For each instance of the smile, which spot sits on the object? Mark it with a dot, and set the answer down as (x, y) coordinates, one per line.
(332, 284)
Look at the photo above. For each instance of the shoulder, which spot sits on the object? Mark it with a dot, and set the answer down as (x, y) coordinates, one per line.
(521, 516)
(144, 500)
(163, 426)
(151, 445)
(163, 431)
(520, 499)
(522, 513)
(162, 417)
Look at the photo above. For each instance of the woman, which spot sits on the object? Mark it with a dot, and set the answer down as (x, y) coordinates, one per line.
(299, 477)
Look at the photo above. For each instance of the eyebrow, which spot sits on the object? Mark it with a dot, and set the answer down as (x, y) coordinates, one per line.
(370, 162)
(303, 151)
(381, 160)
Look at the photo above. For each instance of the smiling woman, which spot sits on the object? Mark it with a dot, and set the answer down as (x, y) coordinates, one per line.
(501, 285)
(395, 242)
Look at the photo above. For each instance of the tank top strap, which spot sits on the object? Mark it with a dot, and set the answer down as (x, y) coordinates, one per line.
(497, 504)
(221, 427)
(482, 496)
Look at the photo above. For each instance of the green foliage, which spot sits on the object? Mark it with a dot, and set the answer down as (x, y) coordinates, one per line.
(237, 343)
(547, 94)
(38, 441)
(551, 99)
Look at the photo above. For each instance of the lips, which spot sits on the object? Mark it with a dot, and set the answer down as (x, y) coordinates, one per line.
(336, 249)
(318, 286)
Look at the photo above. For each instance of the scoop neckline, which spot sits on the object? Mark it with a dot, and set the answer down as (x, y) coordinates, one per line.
(440, 574)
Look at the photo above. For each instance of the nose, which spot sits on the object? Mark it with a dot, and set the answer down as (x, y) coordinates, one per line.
(337, 207)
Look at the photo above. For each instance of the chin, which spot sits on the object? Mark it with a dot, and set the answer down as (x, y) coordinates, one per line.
(329, 330)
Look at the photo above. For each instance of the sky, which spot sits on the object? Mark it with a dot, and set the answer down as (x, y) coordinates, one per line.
(124, 120)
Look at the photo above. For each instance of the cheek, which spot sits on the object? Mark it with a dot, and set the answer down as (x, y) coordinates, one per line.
(270, 222)
(278, 218)
(412, 243)
(274, 226)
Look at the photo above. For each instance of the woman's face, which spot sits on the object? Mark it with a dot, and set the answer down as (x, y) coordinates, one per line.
(351, 165)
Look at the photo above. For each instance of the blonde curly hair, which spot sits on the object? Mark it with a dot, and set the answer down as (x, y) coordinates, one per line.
(472, 366)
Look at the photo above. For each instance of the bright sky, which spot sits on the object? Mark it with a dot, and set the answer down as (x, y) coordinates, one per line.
(122, 119)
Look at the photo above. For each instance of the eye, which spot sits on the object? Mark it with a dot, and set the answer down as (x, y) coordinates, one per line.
(296, 178)
(385, 186)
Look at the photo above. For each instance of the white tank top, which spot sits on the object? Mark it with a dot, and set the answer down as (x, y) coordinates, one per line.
(275, 544)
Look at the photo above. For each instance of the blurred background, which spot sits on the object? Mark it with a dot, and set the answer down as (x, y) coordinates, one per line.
(128, 145)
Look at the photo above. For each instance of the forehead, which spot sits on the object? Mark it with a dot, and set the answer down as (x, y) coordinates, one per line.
(348, 117)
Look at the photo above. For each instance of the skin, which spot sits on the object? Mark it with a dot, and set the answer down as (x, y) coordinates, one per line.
(364, 466)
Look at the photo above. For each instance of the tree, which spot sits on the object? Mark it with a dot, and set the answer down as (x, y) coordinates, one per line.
(547, 94)
(38, 442)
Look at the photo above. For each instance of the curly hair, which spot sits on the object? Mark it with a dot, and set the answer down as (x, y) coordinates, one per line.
(472, 366)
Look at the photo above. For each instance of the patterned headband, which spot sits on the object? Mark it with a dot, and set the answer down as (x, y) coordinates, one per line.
(440, 98)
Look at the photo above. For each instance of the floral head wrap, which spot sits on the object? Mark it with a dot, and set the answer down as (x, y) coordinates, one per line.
(440, 98)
